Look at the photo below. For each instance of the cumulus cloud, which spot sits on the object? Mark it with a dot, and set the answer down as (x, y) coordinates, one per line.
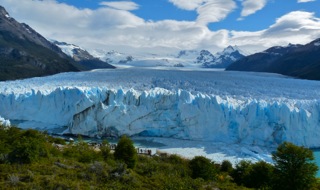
(297, 27)
(114, 29)
(188, 5)
(305, 1)
(121, 5)
(208, 10)
(251, 6)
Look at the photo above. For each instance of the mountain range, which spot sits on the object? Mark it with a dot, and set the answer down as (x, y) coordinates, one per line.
(25, 53)
(301, 61)
(206, 59)
(184, 58)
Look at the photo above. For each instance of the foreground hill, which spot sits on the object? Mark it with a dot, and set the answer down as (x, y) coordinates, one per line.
(301, 61)
(25, 53)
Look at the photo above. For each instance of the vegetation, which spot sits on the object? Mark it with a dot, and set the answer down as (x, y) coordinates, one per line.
(33, 160)
(202, 167)
(294, 167)
(126, 152)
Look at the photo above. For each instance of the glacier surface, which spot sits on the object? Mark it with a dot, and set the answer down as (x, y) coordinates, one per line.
(209, 105)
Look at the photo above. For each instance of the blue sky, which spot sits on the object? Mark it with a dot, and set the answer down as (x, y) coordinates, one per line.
(157, 10)
(171, 25)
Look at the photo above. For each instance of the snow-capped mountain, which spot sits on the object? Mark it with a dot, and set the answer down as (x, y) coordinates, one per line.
(112, 57)
(228, 56)
(206, 59)
(82, 57)
(302, 61)
(74, 51)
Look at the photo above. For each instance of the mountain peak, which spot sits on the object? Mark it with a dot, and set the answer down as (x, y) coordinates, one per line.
(3, 12)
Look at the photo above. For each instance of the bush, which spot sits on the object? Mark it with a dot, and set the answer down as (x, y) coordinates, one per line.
(82, 152)
(30, 146)
(226, 166)
(105, 150)
(261, 175)
(126, 152)
(241, 173)
(202, 167)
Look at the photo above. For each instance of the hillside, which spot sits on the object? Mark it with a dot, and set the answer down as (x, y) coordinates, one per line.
(83, 58)
(25, 53)
(301, 61)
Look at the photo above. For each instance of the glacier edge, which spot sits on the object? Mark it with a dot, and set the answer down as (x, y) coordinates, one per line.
(169, 113)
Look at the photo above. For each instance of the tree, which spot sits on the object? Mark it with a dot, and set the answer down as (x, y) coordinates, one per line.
(126, 152)
(226, 166)
(105, 150)
(202, 167)
(294, 167)
(241, 173)
(261, 175)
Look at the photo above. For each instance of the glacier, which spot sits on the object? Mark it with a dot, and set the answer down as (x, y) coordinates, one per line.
(256, 109)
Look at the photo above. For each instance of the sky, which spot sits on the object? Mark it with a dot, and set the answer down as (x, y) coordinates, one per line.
(167, 26)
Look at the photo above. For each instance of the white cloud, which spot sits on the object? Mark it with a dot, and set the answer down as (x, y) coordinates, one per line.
(208, 10)
(214, 11)
(188, 5)
(252, 6)
(121, 5)
(114, 29)
(305, 1)
(297, 27)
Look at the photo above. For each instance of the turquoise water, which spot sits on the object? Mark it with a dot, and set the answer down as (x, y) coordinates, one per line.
(317, 156)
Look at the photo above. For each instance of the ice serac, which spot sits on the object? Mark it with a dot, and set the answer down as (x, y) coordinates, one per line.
(169, 113)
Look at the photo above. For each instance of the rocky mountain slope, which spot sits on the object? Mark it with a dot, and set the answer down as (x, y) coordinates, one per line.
(25, 53)
(82, 57)
(301, 61)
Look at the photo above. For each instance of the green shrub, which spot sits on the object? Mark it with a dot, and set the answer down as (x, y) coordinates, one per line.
(126, 152)
(30, 147)
(241, 173)
(226, 166)
(202, 167)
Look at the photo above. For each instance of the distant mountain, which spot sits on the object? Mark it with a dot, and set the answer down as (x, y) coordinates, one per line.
(301, 61)
(82, 57)
(25, 53)
(112, 57)
(206, 59)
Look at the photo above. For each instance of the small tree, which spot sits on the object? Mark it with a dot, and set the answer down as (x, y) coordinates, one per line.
(241, 173)
(126, 152)
(202, 167)
(261, 175)
(294, 167)
(105, 150)
(226, 166)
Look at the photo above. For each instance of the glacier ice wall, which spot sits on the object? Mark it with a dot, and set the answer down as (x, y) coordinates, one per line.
(168, 113)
